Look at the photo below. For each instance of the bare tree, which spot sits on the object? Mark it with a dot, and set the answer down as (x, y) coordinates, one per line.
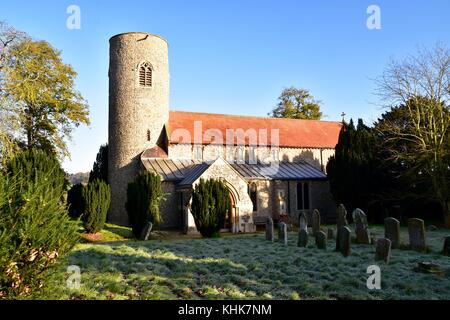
(421, 85)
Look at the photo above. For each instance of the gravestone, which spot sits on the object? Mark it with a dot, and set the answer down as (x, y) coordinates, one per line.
(321, 240)
(145, 234)
(330, 233)
(315, 221)
(282, 233)
(416, 230)
(446, 250)
(361, 227)
(343, 240)
(302, 238)
(383, 250)
(303, 222)
(341, 217)
(392, 231)
(269, 229)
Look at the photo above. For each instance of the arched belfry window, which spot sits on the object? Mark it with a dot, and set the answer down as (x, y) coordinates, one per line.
(145, 75)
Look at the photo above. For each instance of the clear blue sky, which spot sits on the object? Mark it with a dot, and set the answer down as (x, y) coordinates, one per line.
(236, 56)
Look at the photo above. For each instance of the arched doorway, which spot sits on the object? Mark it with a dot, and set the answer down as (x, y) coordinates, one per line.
(230, 217)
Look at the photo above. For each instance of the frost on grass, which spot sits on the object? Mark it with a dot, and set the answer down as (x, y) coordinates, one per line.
(246, 267)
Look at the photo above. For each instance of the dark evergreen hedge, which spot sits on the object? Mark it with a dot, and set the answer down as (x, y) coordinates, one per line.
(96, 200)
(144, 196)
(75, 201)
(210, 204)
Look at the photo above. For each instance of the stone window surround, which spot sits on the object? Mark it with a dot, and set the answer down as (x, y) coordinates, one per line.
(149, 65)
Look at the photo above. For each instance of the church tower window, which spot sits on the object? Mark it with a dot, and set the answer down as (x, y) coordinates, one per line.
(145, 75)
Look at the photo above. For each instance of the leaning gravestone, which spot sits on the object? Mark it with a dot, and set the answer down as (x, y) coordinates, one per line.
(361, 227)
(321, 240)
(315, 221)
(383, 250)
(302, 238)
(145, 234)
(392, 231)
(303, 222)
(416, 229)
(269, 229)
(341, 217)
(282, 233)
(330, 233)
(343, 239)
(446, 250)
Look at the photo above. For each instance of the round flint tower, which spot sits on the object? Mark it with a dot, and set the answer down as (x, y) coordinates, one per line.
(138, 108)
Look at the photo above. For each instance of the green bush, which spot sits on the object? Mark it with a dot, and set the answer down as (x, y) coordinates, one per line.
(100, 167)
(35, 228)
(144, 196)
(96, 198)
(210, 204)
(75, 201)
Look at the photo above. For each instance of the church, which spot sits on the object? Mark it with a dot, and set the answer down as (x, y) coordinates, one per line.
(272, 167)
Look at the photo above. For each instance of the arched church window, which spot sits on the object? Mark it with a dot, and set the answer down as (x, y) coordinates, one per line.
(145, 75)
(253, 193)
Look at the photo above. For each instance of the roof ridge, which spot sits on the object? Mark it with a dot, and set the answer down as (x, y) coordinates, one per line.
(251, 116)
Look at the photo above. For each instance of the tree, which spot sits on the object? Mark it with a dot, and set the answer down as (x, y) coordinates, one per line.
(420, 85)
(295, 103)
(210, 204)
(352, 171)
(100, 168)
(41, 91)
(35, 229)
(144, 196)
(96, 198)
(75, 201)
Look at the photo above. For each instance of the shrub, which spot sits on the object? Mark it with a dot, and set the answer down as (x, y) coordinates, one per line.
(210, 204)
(96, 198)
(35, 228)
(144, 196)
(75, 201)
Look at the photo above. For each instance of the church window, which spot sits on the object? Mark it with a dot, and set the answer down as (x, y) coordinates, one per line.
(145, 75)
(302, 196)
(253, 193)
(240, 155)
(198, 152)
(148, 135)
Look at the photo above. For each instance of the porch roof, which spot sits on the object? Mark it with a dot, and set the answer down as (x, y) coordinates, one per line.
(185, 172)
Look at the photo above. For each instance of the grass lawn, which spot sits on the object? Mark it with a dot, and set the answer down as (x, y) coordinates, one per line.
(244, 267)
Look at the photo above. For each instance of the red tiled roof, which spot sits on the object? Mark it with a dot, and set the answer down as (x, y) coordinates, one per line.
(292, 133)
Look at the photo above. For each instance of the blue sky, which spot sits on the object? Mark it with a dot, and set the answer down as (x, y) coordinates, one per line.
(236, 56)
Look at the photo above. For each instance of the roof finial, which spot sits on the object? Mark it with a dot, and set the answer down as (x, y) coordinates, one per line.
(343, 116)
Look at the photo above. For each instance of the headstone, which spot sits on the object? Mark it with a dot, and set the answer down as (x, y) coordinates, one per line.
(341, 217)
(269, 229)
(321, 240)
(145, 234)
(343, 240)
(330, 233)
(282, 233)
(416, 229)
(302, 238)
(429, 267)
(446, 250)
(361, 227)
(315, 221)
(383, 250)
(392, 231)
(303, 222)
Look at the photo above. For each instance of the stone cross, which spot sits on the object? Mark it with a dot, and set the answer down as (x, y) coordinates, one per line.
(302, 238)
(303, 221)
(392, 231)
(446, 250)
(145, 234)
(361, 227)
(416, 230)
(321, 240)
(269, 229)
(343, 240)
(315, 221)
(383, 250)
(341, 217)
(282, 233)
